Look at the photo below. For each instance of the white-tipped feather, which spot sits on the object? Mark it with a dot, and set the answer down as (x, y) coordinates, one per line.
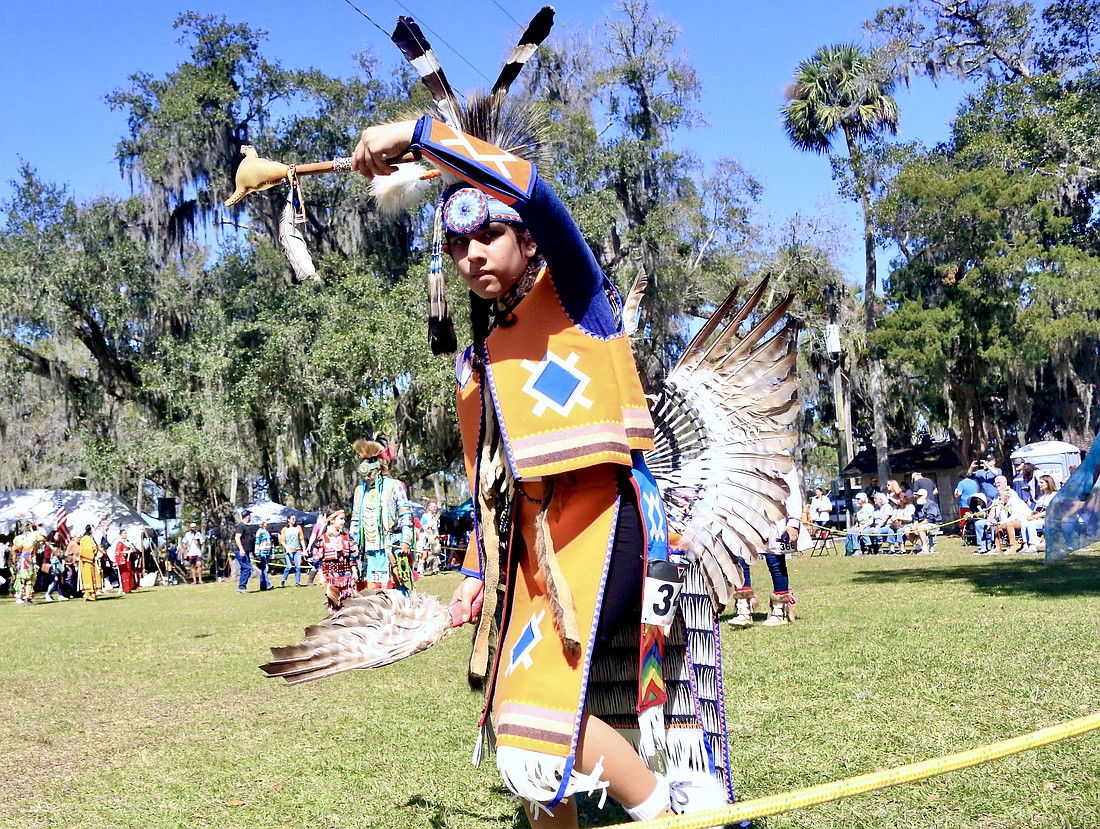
(398, 193)
(723, 439)
(294, 246)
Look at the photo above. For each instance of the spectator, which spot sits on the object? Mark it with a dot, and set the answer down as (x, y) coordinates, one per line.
(55, 570)
(893, 493)
(982, 513)
(1033, 526)
(1010, 519)
(821, 508)
(880, 528)
(872, 489)
(192, 542)
(864, 518)
(1025, 483)
(264, 548)
(985, 473)
(294, 544)
(899, 523)
(965, 489)
(927, 517)
(244, 541)
(919, 483)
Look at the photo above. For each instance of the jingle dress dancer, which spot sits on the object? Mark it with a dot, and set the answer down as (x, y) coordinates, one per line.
(337, 562)
(553, 420)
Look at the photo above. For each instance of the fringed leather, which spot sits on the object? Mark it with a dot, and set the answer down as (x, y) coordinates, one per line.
(557, 588)
(495, 486)
(651, 738)
(537, 778)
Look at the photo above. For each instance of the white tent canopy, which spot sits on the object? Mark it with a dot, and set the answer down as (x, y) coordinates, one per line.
(83, 508)
(276, 514)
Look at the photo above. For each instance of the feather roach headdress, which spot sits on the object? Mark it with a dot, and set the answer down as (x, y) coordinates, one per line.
(518, 128)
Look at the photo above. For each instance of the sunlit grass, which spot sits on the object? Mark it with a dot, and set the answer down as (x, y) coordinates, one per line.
(148, 711)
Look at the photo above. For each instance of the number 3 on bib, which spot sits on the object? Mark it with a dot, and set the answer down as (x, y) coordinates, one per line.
(663, 582)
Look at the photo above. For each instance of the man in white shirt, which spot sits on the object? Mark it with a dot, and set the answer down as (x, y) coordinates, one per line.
(192, 542)
(1010, 519)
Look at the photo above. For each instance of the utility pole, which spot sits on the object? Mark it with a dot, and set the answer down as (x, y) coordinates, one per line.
(835, 352)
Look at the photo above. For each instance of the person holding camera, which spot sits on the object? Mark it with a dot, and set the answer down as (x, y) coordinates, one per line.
(985, 472)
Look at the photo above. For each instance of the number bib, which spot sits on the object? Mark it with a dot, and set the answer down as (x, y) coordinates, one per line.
(663, 582)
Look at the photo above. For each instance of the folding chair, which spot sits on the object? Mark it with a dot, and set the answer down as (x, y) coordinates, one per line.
(823, 543)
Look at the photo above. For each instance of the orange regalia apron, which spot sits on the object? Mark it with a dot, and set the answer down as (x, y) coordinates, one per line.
(558, 420)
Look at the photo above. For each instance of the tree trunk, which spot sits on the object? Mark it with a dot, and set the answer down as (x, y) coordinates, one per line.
(870, 288)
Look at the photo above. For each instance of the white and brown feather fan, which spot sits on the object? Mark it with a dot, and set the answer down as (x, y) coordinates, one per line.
(377, 628)
(724, 436)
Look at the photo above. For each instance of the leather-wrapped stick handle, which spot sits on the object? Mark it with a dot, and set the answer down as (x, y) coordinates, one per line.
(343, 165)
(255, 174)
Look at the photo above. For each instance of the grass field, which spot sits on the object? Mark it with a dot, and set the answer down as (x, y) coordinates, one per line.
(149, 711)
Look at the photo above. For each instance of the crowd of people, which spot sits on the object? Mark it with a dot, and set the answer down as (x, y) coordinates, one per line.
(54, 566)
(40, 565)
(1001, 515)
(997, 514)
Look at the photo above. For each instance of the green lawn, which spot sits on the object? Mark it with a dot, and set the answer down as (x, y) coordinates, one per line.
(149, 711)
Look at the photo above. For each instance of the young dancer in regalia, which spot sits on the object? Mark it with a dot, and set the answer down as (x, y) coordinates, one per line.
(553, 418)
(337, 555)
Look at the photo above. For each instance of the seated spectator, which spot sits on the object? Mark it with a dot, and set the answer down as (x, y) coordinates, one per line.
(893, 493)
(1010, 520)
(1025, 482)
(899, 523)
(926, 517)
(1033, 526)
(821, 508)
(880, 527)
(979, 515)
(864, 517)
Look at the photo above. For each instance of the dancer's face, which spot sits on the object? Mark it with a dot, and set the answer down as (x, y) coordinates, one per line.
(491, 259)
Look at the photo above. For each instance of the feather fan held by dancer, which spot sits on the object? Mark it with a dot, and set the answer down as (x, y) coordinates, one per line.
(607, 675)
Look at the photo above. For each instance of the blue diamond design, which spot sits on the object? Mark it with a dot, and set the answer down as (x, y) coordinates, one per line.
(556, 383)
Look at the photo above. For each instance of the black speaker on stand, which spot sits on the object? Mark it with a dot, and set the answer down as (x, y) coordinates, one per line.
(166, 508)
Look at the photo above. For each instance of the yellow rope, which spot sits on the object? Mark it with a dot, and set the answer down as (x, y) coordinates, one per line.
(841, 789)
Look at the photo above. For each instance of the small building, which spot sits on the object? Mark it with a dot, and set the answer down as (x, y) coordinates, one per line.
(937, 461)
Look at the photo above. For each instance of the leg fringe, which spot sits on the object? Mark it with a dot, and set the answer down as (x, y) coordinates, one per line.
(536, 778)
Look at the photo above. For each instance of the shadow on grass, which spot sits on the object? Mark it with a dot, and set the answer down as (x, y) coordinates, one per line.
(1070, 577)
(438, 820)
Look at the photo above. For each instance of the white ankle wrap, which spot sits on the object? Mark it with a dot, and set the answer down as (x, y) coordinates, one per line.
(653, 805)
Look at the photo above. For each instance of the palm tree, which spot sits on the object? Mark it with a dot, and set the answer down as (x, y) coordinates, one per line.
(842, 89)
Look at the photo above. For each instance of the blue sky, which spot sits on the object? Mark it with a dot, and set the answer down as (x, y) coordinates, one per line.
(59, 60)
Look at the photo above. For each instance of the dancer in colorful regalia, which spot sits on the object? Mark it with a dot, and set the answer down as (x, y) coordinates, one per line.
(91, 577)
(549, 455)
(337, 562)
(607, 675)
(381, 521)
